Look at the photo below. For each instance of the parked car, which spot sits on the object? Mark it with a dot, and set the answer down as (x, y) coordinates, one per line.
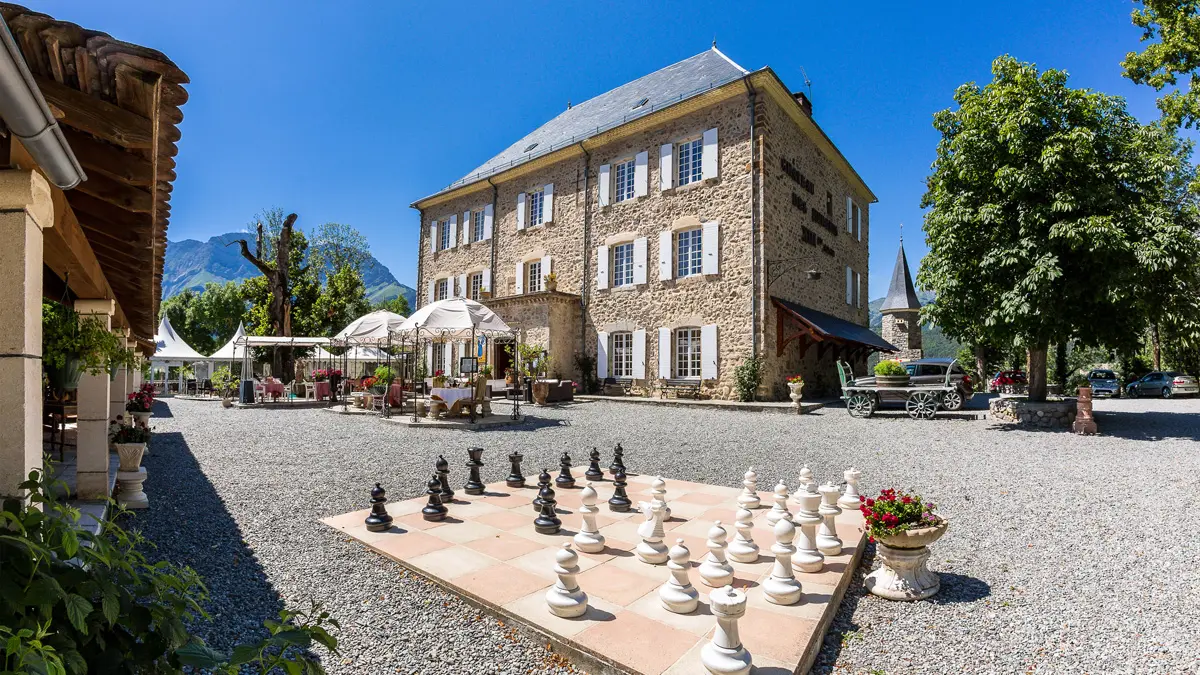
(1165, 384)
(1104, 383)
(1008, 380)
(931, 372)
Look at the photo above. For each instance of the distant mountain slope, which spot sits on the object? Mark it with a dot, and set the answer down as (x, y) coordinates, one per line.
(933, 341)
(191, 264)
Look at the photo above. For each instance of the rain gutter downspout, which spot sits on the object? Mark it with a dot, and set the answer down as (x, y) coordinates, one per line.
(751, 98)
(25, 112)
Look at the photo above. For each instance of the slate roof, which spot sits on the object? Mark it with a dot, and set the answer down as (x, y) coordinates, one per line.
(832, 326)
(901, 294)
(678, 82)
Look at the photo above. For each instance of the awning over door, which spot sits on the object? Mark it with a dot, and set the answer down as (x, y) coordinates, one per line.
(797, 323)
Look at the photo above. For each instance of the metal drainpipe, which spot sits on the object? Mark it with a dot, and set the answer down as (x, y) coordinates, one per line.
(751, 97)
(495, 217)
(587, 251)
(420, 256)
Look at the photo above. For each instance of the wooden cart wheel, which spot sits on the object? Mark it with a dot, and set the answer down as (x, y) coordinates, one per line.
(921, 405)
(861, 404)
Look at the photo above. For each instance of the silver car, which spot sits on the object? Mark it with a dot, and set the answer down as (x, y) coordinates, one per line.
(1165, 384)
(1104, 383)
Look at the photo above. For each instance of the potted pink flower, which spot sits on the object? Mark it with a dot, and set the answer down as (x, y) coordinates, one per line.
(903, 526)
(139, 404)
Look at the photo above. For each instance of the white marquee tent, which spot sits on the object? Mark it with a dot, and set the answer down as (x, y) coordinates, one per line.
(370, 328)
(233, 350)
(454, 319)
(172, 351)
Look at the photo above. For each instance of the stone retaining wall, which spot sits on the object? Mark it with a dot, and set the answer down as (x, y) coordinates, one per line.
(1051, 414)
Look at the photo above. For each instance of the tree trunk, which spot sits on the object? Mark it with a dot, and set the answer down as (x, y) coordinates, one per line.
(1157, 346)
(280, 309)
(981, 367)
(1060, 364)
(1037, 373)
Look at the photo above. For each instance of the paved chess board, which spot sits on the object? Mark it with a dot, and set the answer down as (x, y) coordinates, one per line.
(487, 551)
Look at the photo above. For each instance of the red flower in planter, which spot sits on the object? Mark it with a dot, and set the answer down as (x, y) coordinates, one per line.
(893, 512)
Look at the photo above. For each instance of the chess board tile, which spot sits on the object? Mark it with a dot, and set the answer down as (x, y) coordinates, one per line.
(638, 642)
(504, 546)
(464, 532)
(501, 584)
(533, 607)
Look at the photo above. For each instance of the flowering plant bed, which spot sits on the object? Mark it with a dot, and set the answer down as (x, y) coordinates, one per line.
(892, 513)
(140, 401)
(796, 379)
(132, 435)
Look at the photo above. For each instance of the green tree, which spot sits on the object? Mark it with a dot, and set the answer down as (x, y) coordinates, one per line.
(336, 246)
(1044, 204)
(1172, 29)
(342, 300)
(206, 320)
(398, 305)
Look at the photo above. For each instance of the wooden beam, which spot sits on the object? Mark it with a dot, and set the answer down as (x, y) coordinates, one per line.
(124, 223)
(138, 255)
(109, 160)
(97, 117)
(118, 194)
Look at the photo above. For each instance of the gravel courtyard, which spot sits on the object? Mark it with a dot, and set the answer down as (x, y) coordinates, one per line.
(1064, 554)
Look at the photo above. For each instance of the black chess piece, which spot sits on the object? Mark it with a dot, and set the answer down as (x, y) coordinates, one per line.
(443, 469)
(474, 485)
(547, 521)
(565, 479)
(619, 502)
(543, 483)
(515, 478)
(593, 471)
(379, 520)
(435, 510)
(618, 462)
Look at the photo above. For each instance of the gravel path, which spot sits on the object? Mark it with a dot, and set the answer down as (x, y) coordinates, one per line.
(1065, 553)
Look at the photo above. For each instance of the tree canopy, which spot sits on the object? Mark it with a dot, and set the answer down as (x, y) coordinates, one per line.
(1172, 29)
(206, 320)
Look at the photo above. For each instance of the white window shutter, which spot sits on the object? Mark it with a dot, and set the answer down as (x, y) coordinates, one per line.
(639, 354)
(850, 215)
(429, 358)
(601, 355)
(548, 203)
(666, 167)
(433, 238)
(641, 174)
(546, 269)
(710, 245)
(857, 289)
(466, 235)
(487, 222)
(453, 225)
(520, 278)
(605, 188)
(601, 267)
(521, 211)
(432, 289)
(462, 285)
(708, 352)
(487, 280)
(858, 223)
(708, 160)
(665, 242)
(849, 285)
(664, 353)
(639, 260)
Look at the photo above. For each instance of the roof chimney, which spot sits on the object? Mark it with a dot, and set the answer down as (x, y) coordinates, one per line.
(804, 102)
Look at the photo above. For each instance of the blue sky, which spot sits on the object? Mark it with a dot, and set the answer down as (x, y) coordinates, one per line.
(349, 111)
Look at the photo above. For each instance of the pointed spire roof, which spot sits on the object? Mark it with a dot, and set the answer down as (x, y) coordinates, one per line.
(901, 295)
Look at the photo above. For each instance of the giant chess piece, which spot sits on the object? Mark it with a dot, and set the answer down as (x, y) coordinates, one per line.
(780, 509)
(594, 472)
(547, 521)
(565, 598)
(565, 479)
(434, 510)
(443, 469)
(620, 501)
(618, 463)
(658, 495)
(749, 497)
(474, 485)
(515, 478)
(781, 588)
(716, 571)
(724, 654)
(743, 549)
(807, 482)
(652, 550)
(678, 595)
(851, 500)
(807, 557)
(588, 539)
(827, 539)
(543, 482)
(379, 520)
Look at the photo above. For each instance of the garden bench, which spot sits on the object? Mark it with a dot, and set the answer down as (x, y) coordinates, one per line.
(680, 388)
(626, 384)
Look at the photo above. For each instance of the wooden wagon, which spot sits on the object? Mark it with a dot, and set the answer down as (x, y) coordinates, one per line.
(920, 402)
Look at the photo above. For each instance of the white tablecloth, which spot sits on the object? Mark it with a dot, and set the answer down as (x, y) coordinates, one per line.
(450, 395)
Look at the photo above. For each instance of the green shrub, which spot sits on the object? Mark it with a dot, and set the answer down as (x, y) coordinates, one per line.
(747, 377)
(224, 381)
(890, 368)
(385, 375)
(586, 364)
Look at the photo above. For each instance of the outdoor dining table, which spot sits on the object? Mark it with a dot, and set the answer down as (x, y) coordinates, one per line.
(452, 394)
(272, 389)
(396, 397)
(322, 390)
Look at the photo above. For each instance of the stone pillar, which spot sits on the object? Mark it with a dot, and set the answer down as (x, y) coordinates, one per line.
(25, 210)
(92, 435)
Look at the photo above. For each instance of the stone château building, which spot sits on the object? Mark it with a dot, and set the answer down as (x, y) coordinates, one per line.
(691, 218)
(901, 311)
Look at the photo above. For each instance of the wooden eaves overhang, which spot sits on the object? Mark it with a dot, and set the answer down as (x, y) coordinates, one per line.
(764, 80)
(807, 327)
(118, 105)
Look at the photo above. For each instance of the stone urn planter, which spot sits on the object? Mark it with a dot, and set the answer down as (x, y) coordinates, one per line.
(141, 419)
(130, 476)
(794, 389)
(131, 455)
(541, 391)
(902, 573)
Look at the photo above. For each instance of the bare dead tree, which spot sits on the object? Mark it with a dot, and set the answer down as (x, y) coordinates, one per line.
(280, 309)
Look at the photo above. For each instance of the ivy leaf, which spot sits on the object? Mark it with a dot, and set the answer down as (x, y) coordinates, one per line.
(244, 654)
(111, 607)
(78, 609)
(43, 591)
(70, 542)
(199, 655)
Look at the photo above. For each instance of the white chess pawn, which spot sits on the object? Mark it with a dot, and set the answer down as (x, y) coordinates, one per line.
(658, 495)
(588, 539)
(807, 557)
(678, 594)
(807, 482)
(724, 654)
(827, 539)
(716, 571)
(780, 510)
(565, 598)
(851, 500)
(749, 497)
(743, 549)
(652, 550)
(782, 588)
